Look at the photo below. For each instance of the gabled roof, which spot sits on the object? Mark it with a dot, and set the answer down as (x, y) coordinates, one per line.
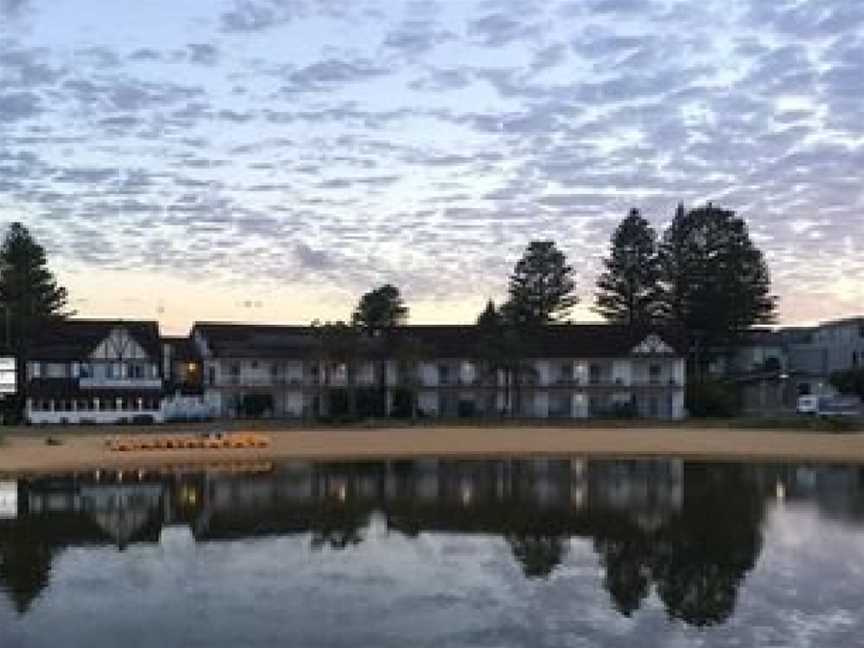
(440, 341)
(76, 339)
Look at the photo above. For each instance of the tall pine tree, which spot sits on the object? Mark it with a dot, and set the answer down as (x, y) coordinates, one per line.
(30, 297)
(542, 287)
(715, 282)
(627, 291)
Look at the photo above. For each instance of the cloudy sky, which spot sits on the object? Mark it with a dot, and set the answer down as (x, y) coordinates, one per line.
(273, 159)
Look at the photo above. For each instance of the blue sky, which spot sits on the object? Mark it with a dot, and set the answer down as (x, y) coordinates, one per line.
(273, 159)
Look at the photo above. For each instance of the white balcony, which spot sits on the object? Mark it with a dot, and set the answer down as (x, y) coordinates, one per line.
(120, 383)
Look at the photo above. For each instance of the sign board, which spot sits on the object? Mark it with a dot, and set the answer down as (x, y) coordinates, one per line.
(8, 500)
(7, 375)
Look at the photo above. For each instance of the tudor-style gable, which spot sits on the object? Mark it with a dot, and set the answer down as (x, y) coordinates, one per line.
(653, 344)
(118, 346)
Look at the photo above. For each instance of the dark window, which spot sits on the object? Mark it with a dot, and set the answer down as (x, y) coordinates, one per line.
(654, 372)
(854, 358)
(443, 374)
(565, 373)
(594, 374)
(234, 370)
(211, 375)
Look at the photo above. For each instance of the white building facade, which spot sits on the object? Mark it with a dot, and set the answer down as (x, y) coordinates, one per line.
(569, 372)
(95, 371)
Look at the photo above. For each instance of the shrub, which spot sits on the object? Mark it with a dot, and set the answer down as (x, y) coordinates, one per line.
(711, 399)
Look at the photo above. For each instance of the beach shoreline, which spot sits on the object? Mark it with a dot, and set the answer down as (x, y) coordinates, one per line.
(29, 453)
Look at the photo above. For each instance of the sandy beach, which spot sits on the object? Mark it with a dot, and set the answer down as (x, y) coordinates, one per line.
(29, 453)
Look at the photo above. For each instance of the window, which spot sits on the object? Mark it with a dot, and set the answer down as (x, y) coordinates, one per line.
(594, 373)
(234, 369)
(37, 369)
(565, 372)
(443, 374)
(654, 372)
(211, 375)
(136, 370)
(85, 370)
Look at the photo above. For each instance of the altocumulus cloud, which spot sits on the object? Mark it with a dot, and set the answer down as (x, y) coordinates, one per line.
(426, 143)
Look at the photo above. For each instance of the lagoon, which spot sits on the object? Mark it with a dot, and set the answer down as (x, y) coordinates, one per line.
(436, 552)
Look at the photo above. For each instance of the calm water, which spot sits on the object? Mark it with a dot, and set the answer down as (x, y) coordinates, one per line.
(437, 553)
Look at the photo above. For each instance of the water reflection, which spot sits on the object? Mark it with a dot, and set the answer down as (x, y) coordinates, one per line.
(689, 532)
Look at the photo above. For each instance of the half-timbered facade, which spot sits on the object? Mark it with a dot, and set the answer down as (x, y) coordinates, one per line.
(95, 371)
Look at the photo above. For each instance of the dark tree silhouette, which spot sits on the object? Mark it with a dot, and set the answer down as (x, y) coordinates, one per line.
(542, 288)
(628, 290)
(30, 298)
(538, 554)
(703, 555)
(628, 570)
(715, 283)
(380, 309)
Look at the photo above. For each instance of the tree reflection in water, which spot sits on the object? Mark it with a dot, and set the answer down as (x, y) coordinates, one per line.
(25, 567)
(699, 557)
(703, 555)
(688, 533)
(539, 555)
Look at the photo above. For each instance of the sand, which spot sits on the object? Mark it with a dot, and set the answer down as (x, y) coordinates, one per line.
(29, 453)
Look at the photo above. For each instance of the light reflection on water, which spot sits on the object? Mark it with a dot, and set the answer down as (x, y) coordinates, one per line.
(552, 552)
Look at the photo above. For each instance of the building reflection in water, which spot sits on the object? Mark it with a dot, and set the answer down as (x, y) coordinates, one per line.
(689, 532)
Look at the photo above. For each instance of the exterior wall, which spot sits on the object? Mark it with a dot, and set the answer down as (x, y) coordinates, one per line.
(449, 387)
(541, 404)
(843, 343)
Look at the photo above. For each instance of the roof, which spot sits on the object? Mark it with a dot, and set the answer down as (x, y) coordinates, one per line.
(845, 321)
(76, 339)
(183, 349)
(441, 341)
(243, 340)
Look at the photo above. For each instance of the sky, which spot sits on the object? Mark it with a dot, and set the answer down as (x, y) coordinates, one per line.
(271, 160)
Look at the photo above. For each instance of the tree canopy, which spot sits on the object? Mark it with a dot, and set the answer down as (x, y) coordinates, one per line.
(29, 292)
(714, 283)
(542, 288)
(627, 291)
(380, 309)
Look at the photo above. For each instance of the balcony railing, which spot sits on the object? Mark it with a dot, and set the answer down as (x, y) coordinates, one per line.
(120, 383)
